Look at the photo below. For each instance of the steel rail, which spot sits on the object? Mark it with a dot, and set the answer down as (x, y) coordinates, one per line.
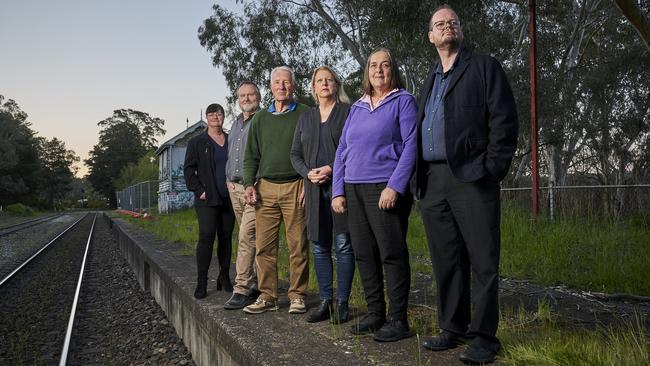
(4, 280)
(68, 333)
(26, 224)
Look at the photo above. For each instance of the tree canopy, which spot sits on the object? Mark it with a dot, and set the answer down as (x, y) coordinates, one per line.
(125, 137)
(19, 166)
(593, 79)
(57, 169)
(33, 170)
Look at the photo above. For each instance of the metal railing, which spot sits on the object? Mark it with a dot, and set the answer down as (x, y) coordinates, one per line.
(139, 197)
(611, 202)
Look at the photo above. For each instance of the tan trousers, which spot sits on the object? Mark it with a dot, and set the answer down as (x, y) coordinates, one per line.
(245, 264)
(281, 202)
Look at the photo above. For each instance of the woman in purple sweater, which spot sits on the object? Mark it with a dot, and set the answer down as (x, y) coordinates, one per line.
(373, 166)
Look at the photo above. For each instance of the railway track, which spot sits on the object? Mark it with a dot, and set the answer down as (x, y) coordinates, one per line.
(39, 298)
(26, 224)
(49, 316)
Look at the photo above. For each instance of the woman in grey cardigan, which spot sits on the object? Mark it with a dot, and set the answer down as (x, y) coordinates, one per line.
(312, 155)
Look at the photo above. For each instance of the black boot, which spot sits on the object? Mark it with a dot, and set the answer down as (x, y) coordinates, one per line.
(369, 324)
(342, 313)
(322, 312)
(201, 290)
(223, 282)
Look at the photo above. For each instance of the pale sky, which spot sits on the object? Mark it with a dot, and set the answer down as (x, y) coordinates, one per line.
(69, 63)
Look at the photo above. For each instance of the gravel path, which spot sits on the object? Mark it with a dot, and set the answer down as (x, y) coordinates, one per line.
(117, 323)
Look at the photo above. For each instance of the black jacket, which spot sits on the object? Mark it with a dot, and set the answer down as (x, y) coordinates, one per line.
(198, 170)
(480, 120)
(304, 154)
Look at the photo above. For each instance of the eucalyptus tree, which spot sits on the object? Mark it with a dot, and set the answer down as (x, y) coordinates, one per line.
(305, 34)
(578, 42)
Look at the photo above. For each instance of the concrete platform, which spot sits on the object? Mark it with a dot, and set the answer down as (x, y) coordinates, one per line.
(216, 336)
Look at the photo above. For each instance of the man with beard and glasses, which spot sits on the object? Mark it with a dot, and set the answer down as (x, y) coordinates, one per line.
(467, 136)
(245, 290)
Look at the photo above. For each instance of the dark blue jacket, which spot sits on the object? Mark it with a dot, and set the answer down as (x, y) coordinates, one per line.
(480, 120)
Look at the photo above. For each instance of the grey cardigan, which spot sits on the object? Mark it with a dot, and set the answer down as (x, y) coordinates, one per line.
(304, 152)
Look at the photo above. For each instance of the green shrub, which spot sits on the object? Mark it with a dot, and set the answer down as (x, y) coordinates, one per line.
(19, 209)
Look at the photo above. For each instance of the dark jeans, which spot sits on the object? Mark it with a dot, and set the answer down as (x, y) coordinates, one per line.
(379, 242)
(344, 267)
(461, 221)
(322, 250)
(214, 221)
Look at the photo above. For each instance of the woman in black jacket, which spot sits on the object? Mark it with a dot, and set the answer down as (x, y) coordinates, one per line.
(205, 175)
(312, 155)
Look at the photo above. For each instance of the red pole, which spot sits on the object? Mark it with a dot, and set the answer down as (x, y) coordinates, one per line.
(532, 31)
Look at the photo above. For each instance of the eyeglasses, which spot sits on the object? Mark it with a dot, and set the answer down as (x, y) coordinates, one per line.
(214, 114)
(443, 25)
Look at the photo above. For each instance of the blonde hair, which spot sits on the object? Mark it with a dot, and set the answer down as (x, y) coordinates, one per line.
(341, 96)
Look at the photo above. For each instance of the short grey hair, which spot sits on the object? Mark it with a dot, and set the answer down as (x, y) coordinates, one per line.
(248, 82)
(287, 69)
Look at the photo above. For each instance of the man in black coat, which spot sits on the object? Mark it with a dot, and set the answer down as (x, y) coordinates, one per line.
(467, 136)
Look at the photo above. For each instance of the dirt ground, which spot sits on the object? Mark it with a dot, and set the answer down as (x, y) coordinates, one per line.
(580, 309)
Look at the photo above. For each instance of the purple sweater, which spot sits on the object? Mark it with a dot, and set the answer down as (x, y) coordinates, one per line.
(378, 146)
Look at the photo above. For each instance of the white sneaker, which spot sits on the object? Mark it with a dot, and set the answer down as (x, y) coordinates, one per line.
(260, 306)
(297, 306)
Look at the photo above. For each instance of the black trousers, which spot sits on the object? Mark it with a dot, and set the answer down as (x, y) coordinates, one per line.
(214, 221)
(379, 243)
(461, 222)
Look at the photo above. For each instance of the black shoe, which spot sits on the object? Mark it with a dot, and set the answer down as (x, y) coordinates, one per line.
(393, 330)
(322, 312)
(369, 324)
(476, 354)
(223, 282)
(342, 313)
(201, 290)
(238, 301)
(255, 292)
(443, 341)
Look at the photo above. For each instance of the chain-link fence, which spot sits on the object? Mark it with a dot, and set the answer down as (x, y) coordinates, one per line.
(139, 197)
(609, 202)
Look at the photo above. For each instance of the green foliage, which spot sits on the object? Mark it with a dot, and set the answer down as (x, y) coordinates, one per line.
(19, 165)
(530, 340)
(143, 170)
(178, 227)
(19, 209)
(125, 138)
(591, 255)
(308, 34)
(593, 83)
(57, 169)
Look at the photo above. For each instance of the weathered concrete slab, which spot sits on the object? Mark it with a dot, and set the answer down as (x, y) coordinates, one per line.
(216, 336)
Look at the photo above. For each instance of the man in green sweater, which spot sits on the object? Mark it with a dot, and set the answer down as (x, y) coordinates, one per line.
(277, 195)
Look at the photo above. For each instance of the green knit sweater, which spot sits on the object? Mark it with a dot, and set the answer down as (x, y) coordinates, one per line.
(269, 145)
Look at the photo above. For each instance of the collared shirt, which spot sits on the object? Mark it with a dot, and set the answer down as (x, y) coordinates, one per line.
(292, 107)
(236, 148)
(368, 99)
(433, 126)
